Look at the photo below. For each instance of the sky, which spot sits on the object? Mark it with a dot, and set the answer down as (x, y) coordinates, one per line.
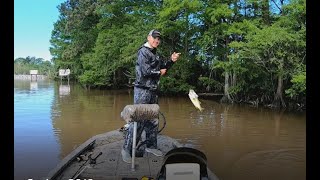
(33, 23)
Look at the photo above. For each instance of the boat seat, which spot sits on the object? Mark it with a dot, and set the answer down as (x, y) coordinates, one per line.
(184, 163)
(183, 171)
(137, 113)
(140, 112)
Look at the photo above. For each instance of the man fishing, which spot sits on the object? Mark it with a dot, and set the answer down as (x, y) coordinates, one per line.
(149, 67)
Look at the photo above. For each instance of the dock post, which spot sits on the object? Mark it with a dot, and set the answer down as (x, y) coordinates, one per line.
(134, 145)
(34, 72)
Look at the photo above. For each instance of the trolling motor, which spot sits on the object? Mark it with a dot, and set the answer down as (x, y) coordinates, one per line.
(140, 113)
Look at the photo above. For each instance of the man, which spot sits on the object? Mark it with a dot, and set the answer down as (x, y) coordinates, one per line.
(149, 68)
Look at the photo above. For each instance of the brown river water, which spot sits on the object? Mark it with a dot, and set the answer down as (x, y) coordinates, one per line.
(240, 142)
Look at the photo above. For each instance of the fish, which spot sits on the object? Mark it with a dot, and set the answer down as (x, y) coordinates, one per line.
(194, 99)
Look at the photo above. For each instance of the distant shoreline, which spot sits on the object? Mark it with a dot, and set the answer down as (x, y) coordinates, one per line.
(28, 77)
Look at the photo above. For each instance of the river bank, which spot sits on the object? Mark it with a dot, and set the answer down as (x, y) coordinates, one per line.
(28, 77)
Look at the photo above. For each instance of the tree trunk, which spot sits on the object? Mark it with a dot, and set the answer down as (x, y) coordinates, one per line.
(114, 78)
(234, 79)
(186, 35)
(226, 97)
(278, 99)
(245, 9)
(255, 9)
(265, 12)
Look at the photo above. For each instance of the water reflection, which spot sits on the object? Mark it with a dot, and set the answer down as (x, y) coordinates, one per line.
(227, 133)
(64, 90)
(33, 85)
(286, 163)
(35, 146)
(82, 114)
(235, 138)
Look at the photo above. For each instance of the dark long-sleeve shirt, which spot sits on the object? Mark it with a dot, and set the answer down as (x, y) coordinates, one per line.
(148, 68)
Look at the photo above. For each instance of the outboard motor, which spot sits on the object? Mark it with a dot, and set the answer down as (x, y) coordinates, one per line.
(184, 163)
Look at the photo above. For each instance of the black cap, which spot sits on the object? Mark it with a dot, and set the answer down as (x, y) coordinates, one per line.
(154, 33)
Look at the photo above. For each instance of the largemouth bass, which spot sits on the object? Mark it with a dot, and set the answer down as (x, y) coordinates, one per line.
(194, 99)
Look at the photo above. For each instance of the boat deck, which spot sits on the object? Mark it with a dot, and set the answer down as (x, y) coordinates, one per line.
(109, 164)
(106, 160)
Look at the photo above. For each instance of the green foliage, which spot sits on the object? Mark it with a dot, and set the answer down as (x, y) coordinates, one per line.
(98, 40)
(218, 12)
(74, 34)
(93, 79)
(181, 77)
(298, 88)
(209, 84)
(24, 65)
(275, 50)
(169, 85)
